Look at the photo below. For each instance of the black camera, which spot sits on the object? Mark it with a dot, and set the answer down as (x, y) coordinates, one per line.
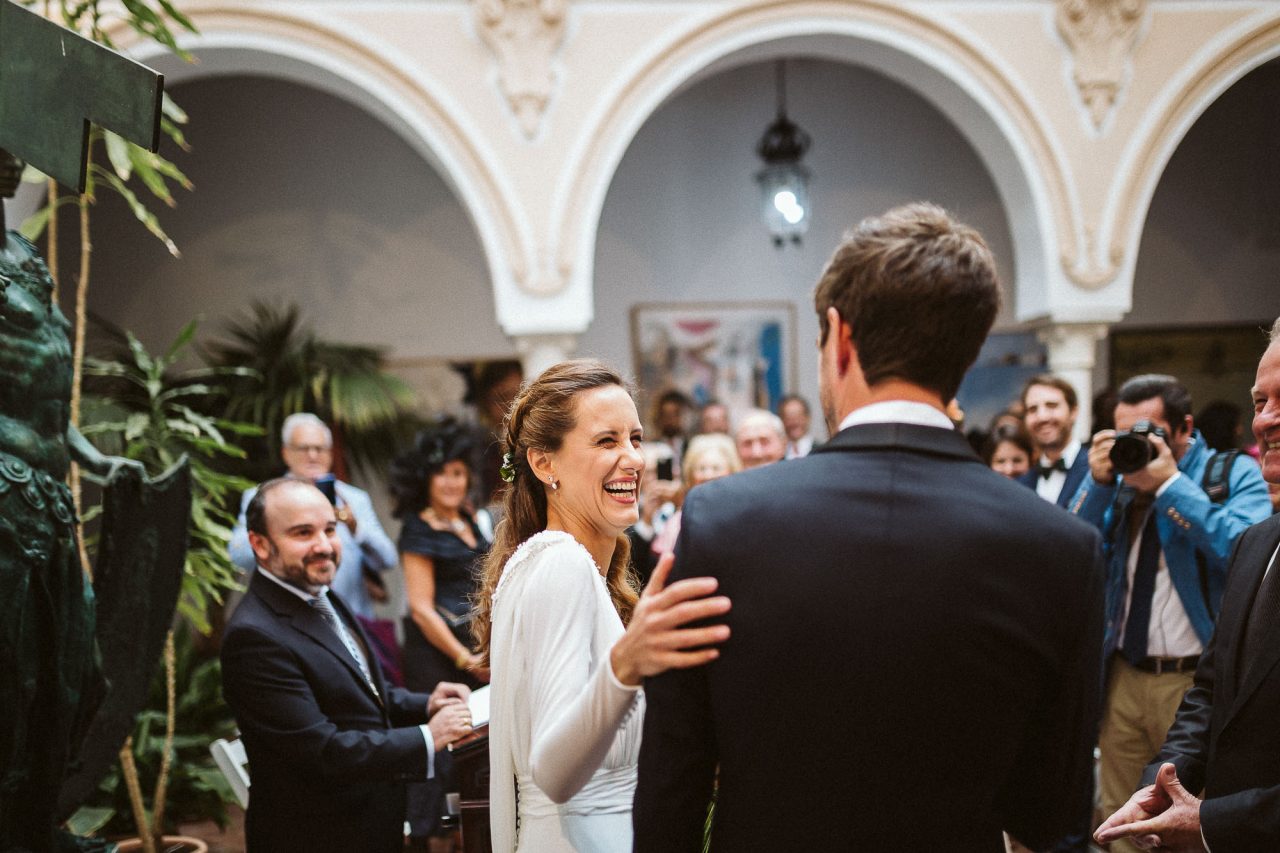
(1133, 449)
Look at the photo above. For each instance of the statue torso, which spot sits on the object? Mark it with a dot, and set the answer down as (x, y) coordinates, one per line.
(35, 362)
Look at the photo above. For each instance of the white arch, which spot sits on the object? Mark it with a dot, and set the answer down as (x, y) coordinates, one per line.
(966, 86)
(420, 111)
(1217, 67)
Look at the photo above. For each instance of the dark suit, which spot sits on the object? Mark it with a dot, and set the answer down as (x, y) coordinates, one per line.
(914, 662)
(1226, 737)
(327, 759)
(1075, 476)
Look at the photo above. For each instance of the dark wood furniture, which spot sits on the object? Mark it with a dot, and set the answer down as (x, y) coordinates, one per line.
(471, 763)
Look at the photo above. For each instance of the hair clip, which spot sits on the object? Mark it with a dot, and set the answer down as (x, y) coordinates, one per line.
(508, 470)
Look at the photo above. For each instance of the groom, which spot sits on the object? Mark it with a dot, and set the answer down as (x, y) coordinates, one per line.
(916, 645)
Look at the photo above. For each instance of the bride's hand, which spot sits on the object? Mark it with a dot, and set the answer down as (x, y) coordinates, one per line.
(656, 640)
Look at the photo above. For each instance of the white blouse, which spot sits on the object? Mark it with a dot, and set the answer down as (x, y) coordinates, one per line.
(564, 733)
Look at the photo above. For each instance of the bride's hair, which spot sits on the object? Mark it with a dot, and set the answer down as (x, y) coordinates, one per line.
(539, 418)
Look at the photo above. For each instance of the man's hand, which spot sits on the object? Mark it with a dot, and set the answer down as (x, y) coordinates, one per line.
(1162, 817)
(1100, 467)
(376, 589)
(452, 722)
(346, 516)
(1161, 468)
(447, 693)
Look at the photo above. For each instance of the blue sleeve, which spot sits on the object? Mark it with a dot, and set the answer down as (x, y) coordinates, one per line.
(378, 549)
(1214, 528)
(1093, 501)
(238, 546)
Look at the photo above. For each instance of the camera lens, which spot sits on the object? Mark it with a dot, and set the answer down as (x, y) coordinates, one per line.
(1131, 452)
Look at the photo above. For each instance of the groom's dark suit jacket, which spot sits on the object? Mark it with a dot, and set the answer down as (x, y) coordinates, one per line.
(1226, 737)
(327, 759)
(914, 665)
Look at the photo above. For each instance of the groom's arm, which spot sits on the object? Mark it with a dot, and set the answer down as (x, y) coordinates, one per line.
(677, 752)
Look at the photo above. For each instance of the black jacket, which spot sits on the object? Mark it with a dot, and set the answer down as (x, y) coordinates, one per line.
(914, 663)
(1226, 738)
(327, 759)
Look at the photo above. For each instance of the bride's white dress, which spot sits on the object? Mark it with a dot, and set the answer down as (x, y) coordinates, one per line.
(564, 733)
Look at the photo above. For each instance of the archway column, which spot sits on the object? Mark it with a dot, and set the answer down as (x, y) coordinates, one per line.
(538, 352)
(1072, 351)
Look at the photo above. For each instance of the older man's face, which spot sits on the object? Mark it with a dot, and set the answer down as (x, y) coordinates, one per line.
(1266, 413)
(759, 444)
(309, 454)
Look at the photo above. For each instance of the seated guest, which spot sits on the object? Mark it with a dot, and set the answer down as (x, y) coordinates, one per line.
(330, 743)
(307, 450)
(710, 457)
(794, 411)
(1007, 451)
(761, 438)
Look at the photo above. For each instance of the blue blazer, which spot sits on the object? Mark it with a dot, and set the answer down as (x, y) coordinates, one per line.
(1188, 523)
(1075, 476)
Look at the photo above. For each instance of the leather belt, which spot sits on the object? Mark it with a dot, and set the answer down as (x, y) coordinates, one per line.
(1159, 665)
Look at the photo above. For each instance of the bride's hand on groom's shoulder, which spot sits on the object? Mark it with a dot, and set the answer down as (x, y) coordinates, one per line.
(657, 638)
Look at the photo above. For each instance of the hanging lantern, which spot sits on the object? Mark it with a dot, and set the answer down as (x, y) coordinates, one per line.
(784, 182)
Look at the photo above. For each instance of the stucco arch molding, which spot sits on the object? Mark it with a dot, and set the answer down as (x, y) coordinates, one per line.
(1220, 64)
(978, 94)
(420, 109)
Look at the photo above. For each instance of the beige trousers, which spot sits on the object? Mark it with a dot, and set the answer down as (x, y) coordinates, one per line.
(1140, 708)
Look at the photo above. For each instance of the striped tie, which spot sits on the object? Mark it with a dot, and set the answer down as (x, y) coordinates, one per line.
(322, 604)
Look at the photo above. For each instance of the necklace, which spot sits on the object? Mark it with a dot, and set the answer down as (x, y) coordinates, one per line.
(456, 524)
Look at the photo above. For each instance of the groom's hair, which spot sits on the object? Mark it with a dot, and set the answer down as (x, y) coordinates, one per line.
(919, 292)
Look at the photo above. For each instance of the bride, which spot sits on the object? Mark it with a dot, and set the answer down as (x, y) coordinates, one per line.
(566, 637)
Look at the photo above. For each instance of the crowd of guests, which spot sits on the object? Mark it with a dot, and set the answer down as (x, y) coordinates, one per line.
(1079, 593)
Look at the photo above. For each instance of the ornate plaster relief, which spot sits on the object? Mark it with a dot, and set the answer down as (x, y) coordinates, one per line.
(524, 36)
(1102, 35)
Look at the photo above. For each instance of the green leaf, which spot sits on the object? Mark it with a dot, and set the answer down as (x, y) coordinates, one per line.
(89, 819)
(119, 155)
(169, 107)
(143, 215)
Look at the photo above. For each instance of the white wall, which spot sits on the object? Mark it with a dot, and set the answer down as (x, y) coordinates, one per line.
(681, 221)
(304, 197)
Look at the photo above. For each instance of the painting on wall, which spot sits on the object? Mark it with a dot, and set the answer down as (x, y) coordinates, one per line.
(1213, 362)
(1006, 362)
(739, 353)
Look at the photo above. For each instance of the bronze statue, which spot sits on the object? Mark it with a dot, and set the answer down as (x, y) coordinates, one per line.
(51, 671)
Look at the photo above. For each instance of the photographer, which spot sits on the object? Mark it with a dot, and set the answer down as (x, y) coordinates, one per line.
(1170, 511)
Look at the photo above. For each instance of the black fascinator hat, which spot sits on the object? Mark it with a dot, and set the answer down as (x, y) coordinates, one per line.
(443, 440)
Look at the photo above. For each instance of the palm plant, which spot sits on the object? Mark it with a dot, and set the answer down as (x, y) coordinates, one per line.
(145, 409)
(289, 369)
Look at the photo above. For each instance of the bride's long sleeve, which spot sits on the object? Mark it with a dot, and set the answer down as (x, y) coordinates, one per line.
(578, 705)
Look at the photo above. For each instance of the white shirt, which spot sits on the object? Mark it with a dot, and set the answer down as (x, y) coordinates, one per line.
(1050, 488)
(306, 596)
(1169, 633)
(800, 447)
(898, 412)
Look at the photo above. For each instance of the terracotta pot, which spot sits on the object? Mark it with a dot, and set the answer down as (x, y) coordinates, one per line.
(169, 844)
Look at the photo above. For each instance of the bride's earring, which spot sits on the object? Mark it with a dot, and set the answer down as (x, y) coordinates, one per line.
(554, 485)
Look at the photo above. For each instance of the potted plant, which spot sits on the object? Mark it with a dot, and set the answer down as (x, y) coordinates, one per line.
(143, 407)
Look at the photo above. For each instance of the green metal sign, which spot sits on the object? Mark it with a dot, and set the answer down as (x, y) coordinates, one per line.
(53, 82)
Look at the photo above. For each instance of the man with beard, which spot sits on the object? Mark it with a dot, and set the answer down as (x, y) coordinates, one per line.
(1051, 408)
(330, 743)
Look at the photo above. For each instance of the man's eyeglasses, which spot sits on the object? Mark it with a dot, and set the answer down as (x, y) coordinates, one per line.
(308, 449)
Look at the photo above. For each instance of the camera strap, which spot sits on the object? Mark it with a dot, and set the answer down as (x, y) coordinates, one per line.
(1216, 483)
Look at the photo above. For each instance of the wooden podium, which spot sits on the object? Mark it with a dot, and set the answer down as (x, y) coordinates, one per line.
(471, 763)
